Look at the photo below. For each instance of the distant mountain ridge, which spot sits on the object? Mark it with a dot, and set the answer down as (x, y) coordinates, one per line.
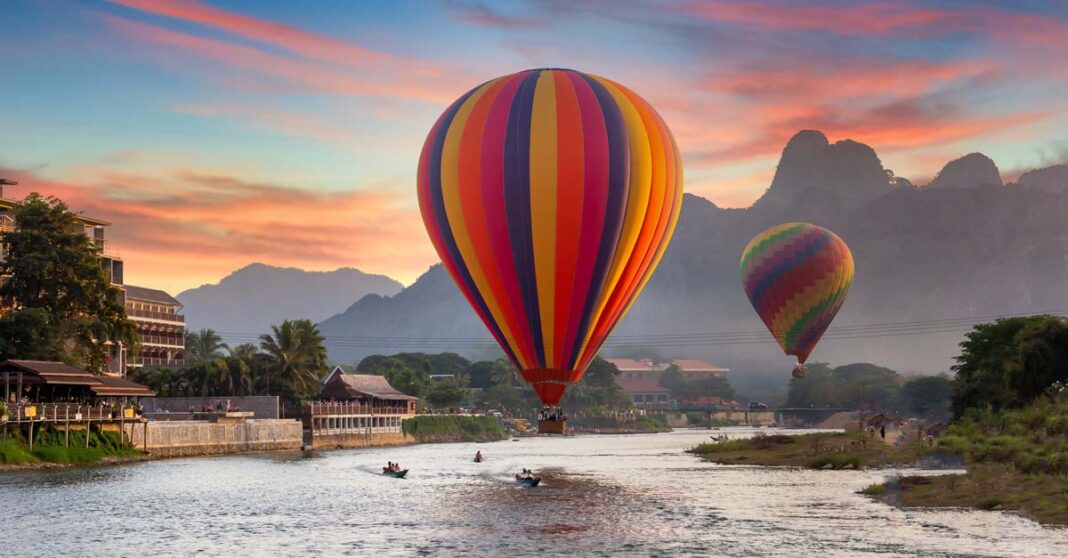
(251, 299)
(945, 250)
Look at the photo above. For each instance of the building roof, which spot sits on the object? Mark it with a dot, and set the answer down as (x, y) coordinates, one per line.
(134, 292)
(631, 365)
(112, 386)
(640, 385)
(60, 373)
(694, 365)
(48, 372)
(356, 385)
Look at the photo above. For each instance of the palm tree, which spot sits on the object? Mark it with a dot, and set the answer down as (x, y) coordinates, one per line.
(297, 356)
(203, 346)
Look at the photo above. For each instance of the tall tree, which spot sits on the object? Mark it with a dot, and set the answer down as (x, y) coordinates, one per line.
(297, 356)
(53, 266)
(927, 396)
(1007, 363)
(203, 345)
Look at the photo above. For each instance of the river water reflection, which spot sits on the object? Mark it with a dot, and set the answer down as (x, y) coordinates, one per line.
(601, 495)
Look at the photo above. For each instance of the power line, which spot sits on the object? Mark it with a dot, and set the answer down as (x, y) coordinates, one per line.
(721, 337)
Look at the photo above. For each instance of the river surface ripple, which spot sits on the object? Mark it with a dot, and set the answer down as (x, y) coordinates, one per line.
(601, 495)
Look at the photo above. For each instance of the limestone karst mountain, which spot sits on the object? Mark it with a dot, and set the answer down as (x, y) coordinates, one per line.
(963, 246)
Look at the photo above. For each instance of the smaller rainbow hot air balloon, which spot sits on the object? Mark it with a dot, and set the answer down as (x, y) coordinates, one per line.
(797, 276)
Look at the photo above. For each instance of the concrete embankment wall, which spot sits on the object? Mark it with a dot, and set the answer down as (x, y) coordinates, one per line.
(188, 438)
(335, 441)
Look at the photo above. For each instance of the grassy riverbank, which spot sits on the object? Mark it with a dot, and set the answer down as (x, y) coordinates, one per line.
(815, 451)
(1017, 460)
(454, 428)
(48, 448)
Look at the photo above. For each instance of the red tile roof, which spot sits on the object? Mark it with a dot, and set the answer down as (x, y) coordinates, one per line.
(694, 365)
(640, 385)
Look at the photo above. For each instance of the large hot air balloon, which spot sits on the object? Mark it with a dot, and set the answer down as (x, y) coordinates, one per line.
(797, 276)
(550, 196)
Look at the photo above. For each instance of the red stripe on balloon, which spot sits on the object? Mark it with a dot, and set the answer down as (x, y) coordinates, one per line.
(595, 155)
(496, 216)
(570, 197)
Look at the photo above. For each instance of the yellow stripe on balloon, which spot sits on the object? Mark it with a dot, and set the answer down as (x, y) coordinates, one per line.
(673, 219)
(454, 210)
(543, 188)
(796, 306)
(637, 201)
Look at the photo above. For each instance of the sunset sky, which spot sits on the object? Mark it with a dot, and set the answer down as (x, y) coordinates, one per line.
(218, 134)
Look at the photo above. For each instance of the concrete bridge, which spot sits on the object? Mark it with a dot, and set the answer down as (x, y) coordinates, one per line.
(764, 417)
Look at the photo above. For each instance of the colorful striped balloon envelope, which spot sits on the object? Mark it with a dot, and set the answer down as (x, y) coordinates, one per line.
(550, 196)
(797, 276)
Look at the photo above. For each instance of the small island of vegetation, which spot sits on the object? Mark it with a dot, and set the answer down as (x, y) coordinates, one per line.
(1009, 427)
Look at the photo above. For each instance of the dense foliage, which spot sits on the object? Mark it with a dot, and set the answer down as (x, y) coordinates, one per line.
(1008, 363)
(290, 362)
(64, 305)
(684, 389)
(872, 388)
(48, 446)
(1033, 438)
(454, 428)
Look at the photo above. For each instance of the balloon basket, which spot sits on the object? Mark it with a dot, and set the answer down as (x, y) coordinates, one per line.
(799, 372)
(552, 426)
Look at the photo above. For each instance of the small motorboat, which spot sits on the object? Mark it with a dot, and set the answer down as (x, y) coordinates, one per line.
(397, 474)
(528, 481)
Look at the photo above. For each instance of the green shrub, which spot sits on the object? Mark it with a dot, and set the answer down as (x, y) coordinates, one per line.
(454, 428)
(835, 461)
(874, 489)
(989, 503)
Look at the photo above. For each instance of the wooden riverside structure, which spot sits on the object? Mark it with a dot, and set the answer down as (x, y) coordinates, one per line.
(356, 405)
(40, 393)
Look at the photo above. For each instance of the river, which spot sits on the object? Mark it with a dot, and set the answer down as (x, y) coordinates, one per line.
(601, 495)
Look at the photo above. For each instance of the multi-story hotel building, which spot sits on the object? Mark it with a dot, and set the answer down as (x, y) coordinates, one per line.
(153, 312)
(159, 325)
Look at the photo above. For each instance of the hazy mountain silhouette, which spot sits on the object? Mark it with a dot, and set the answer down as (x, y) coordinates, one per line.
(946, 250)
(256, 296)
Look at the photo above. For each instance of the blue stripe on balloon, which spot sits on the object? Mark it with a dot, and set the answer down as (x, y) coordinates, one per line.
(517, 203)
(792, 261)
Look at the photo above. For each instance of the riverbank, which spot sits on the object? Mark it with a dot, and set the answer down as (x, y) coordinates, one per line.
(431, 429)
(984, 487)
(827, 450)
(1017, 460)
(51, 449)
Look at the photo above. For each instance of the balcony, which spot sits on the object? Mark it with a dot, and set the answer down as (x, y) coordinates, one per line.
(154, 361)
(150, 315)
(163, 341)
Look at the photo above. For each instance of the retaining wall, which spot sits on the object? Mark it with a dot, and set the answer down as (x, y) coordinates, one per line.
(188, 438)
(333, 441)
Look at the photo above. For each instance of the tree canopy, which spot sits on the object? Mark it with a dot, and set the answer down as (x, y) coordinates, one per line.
(54, 274)
(1008, 363)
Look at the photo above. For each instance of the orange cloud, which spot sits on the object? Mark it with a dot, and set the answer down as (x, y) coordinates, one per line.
(176, 230)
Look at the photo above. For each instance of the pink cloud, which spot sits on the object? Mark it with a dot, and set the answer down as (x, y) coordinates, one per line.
(305, 43)
(187, 226)
(310, 76)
